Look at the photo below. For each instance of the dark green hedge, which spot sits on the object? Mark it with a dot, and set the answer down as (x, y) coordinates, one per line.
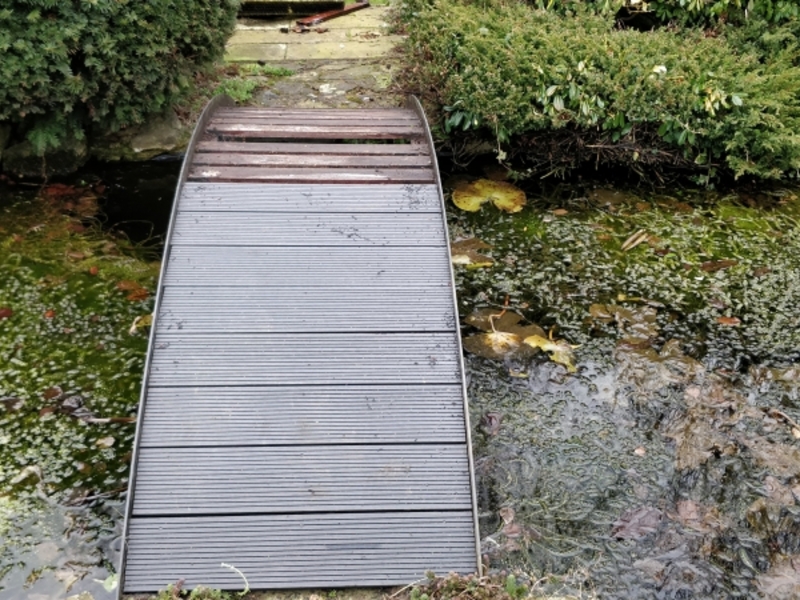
(68, 65)
(575, 88)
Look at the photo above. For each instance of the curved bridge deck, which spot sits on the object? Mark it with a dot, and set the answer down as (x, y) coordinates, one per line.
(303, 414)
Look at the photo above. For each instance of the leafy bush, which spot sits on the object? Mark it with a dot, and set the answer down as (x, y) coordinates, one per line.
(682, 97)
(73, 64)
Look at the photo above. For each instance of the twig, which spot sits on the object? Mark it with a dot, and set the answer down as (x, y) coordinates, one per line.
(246, 584)
(410, 585)
(784, 416)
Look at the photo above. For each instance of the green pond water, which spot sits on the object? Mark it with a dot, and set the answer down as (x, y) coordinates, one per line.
(667, 465)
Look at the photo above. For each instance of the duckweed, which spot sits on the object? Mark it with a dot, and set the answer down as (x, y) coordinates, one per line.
(67, 359)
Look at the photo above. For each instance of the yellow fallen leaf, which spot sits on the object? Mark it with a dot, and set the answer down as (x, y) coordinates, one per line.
(139, 323)
(493, 345)
(503, 195)
(472, 260)
(559, 350)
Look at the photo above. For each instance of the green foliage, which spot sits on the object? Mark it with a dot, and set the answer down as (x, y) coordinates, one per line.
(684, 12)
(247, 79)
(470, 587)
(174, 592)
(69, 65)
(665, 96)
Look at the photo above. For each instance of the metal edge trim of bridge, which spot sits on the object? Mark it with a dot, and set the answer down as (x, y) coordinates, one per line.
(199, 131)
(414, 104)
(208, 112)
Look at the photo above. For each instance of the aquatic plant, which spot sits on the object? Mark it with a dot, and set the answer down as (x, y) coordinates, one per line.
(71, 372)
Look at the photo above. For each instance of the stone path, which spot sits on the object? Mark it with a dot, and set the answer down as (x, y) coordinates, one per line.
(346, 62)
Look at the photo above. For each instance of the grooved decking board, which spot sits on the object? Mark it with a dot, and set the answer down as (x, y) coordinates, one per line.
(300, 551)
(295, 229)
(225, 480)
(306, 198)
(303, 358)
(304, 310)
(244, 415)
(310, 267)
(303, 411)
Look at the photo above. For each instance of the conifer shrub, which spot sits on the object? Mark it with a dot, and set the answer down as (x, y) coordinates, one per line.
(575, 89)
(69, 66)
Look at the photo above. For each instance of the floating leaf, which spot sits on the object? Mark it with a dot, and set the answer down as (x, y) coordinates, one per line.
(559, 350)
(105, 442)
(729, 321)
(126, 285)
(782, 580)
(712, 266)
(483, 319)
(495, 345)
(110, 583)
(139, 323)
(636, 523)
(25, 473)
(503, 195)
(138, 295)
(472, 260)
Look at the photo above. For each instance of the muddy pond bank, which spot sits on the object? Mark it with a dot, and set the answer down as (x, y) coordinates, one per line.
(665, 466)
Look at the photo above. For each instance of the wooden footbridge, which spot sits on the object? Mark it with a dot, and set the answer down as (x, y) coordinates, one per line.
(303, 417)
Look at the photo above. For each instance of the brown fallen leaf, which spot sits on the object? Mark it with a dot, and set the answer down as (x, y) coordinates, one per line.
(491, 422)
(636, 523)
(93, 270)
(138, 295)
(49, 314)
(560, 212)
(5, 313)
(782, 581)
(711, 266)
(729, 321)
(127, 285)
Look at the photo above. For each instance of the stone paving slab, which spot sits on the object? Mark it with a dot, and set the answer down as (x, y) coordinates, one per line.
(362, 34)
(350, 65)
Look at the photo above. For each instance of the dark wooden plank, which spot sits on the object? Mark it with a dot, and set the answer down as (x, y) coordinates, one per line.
(298, 551)
(300, 121)
(318, 148)
(322, 131)
(283, 161)
(316, 114)
(311, 175)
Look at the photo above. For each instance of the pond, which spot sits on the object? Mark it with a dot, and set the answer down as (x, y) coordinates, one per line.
(664, 465)
(73, 280)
